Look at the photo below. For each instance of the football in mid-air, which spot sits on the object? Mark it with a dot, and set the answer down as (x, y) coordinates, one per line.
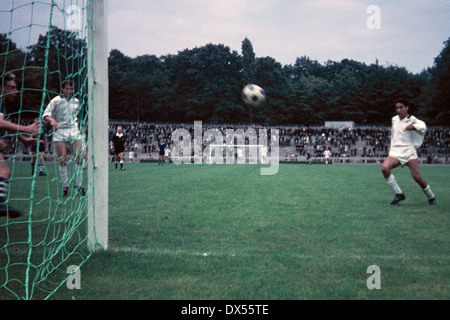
(253, 95)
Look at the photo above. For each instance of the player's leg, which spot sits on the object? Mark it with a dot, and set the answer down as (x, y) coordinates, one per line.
(389, 164)
(77, 150)
(5, 174)
(61, 157)
(415, 172)
(40, 159)
(33, 159)
(121, 160)
(116, 159)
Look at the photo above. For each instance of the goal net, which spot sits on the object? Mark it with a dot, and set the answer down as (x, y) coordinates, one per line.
(43, 43)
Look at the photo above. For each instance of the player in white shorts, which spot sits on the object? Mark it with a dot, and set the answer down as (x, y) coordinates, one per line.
(327, 154)
(62, 114)
(407, 135)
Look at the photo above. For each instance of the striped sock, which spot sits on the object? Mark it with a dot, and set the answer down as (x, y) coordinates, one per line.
(4, 186)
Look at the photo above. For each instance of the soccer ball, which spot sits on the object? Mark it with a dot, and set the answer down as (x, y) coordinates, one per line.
(253, 95)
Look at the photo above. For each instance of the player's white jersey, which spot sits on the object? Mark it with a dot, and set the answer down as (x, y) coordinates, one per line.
(400, 137)
(64, 111)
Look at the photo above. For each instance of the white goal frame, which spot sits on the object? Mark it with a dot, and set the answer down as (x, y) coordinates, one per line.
(98, 125)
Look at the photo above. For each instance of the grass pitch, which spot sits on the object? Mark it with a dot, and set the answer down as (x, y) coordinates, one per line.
(309, 232)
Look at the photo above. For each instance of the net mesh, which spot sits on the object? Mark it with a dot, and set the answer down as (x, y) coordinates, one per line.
(42, 44)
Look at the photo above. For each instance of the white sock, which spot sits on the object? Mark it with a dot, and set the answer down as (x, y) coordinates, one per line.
(63, 175)
(428, 192)
(393, 184)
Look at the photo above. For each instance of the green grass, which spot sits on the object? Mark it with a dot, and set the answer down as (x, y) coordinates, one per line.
(48, 238)
(308, 232)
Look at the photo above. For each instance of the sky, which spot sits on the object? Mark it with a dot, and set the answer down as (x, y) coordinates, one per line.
(408, 34)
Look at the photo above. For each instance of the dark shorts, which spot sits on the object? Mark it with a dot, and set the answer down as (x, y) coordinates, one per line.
(119, 150)
(41, 147)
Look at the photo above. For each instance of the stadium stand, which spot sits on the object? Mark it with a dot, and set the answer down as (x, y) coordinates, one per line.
(361, 144)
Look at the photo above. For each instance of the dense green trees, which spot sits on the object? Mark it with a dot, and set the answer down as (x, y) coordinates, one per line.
(204, 83)
(438, 91)
(57, 55)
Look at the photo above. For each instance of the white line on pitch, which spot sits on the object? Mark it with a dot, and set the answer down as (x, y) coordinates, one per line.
(180, 252)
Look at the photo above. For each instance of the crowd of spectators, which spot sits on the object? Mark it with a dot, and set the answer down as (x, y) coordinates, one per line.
(359, 141)
(342, 142)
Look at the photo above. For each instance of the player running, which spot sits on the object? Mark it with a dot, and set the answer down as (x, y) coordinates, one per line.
(407, 134)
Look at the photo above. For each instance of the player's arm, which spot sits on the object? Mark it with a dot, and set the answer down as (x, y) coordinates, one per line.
(47, 116)
(392, 132)
(3, 145)
(13, 127)
(52, 122)
(46, 144)
(417, 125)
(26, 140)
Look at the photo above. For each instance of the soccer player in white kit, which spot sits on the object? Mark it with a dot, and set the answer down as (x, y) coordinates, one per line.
(327, 154)
(407, 134)
(62, 114)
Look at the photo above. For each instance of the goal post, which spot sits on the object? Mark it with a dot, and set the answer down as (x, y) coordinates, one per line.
(98, 125)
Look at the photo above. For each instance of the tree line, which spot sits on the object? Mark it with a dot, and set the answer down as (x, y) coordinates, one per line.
(205, 83)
